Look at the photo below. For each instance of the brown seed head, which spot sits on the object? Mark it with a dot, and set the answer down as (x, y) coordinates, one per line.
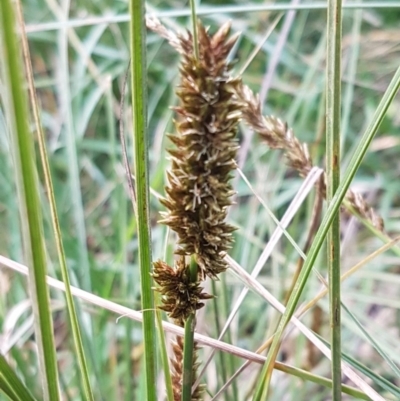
(198, 190)
(180, 296)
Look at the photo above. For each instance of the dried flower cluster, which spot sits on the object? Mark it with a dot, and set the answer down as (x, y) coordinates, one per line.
(199, 191)
(180, 296)
(278, 136)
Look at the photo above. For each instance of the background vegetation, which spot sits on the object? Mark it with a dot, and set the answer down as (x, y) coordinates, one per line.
(80, 54)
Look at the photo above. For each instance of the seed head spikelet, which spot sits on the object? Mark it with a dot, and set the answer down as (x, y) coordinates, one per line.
(198, 192)
(180, 296)
(278, 135)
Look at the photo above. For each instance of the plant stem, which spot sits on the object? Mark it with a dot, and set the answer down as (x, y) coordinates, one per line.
(54, 217)
(333, 103)
(194, 23)
(140, 138)
(188, 347)
(28, 195)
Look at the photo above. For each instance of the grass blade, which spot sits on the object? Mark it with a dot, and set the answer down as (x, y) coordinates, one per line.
(351, 170)
(377, 379)
(11, 384)
(139, 106)
(54, 217)
(333, 104)
(31, 220)
(373, 342)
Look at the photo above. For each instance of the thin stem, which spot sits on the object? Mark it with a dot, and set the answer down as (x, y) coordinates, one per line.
(188, 346)
(333, 178)
(140, 138)
(53, 211)
(188, 358)
(195, 41)
(190, 323)
(28, 195)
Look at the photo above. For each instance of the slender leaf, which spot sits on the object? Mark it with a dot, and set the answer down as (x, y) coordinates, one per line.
(31, 221)
(11, 384)
(54, 217)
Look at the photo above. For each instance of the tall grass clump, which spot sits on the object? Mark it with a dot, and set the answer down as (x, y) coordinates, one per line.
(221, 203)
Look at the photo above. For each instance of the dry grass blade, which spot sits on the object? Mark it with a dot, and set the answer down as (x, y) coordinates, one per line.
(123, 311)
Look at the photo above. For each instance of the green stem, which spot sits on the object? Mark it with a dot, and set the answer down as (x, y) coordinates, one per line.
(188, 350)
(140, 138)
(222, 376)
(188, 344)
(54, 217)
(333, 178)
(28, 194)
(195, 41)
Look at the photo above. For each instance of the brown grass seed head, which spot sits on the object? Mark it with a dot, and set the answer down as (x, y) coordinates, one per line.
(199, 190)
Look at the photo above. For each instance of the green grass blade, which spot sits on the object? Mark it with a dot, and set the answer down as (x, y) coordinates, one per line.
(77, 208)
(54, 217)
(304, 375)
(377, 379)
(373, 342)
(24, 157)
(7, 390)
(333, 104)
(351, 170)
(140, 137)
(11, 384)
